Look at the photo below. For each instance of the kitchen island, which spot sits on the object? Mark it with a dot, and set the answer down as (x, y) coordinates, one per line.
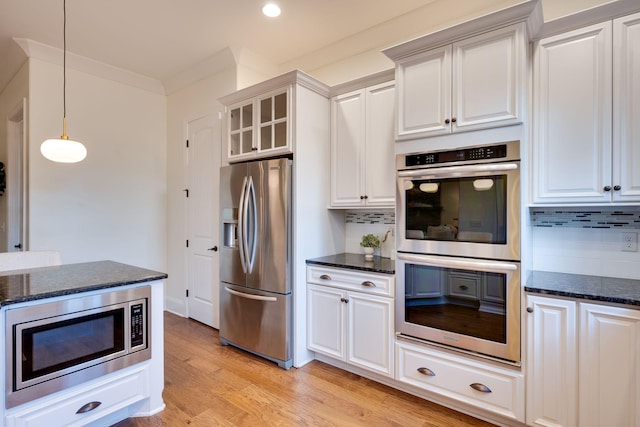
(122, 376)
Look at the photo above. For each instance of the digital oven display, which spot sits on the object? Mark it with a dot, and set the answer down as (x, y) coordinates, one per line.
(467, 154)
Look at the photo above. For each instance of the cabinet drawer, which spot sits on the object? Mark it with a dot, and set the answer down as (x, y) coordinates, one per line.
(114, 394)
(486, 386)
(353, 280)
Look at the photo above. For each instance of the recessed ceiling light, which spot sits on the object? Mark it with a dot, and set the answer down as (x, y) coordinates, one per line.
(271, 10)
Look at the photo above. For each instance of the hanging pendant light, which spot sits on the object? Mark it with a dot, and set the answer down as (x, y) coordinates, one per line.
(63, 149)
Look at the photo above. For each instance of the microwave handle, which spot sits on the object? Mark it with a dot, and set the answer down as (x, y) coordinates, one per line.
(456, 171)
(446, 262)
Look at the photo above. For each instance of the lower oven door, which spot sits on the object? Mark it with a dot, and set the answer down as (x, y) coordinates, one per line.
(468, 304)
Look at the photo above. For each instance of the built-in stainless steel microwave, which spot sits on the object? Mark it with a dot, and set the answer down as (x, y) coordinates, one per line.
(55, 345)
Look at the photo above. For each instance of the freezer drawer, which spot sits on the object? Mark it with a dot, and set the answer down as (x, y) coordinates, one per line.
(259, 322)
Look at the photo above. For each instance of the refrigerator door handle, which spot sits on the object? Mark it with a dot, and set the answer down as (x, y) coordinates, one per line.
(250, 296)
(251, 248)
(242, 218)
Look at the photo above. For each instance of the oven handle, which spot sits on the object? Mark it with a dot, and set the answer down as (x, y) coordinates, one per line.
(455, 171)
(439, 261)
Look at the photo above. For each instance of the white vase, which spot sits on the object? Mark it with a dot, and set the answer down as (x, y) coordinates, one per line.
(368, 253)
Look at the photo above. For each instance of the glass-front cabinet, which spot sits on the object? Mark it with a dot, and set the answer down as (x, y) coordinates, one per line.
(259, 127)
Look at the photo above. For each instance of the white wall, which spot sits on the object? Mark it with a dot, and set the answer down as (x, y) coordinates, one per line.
(113, 204)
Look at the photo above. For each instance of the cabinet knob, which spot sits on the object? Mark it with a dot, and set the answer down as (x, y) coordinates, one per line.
(325, 277)
(464, 287)
(366, 197)
(607, 188)
(426, 371)
(254, 148)
(361, 197)
(447, 121)
(344, 300)
(617, 188)
(480, 387)
(529, 309)
(368, 284)
(454, 120)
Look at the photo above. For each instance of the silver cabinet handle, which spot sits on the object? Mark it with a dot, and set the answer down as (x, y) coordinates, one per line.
(480, 387)
(88, 407)
(368, 284)
(426, 371)
(325, 277)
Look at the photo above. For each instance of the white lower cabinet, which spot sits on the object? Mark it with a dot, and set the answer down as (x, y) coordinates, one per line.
(583, 364)
(73, 408)
(350, 317)
(551, 362)
(483, 385)
(609, 375)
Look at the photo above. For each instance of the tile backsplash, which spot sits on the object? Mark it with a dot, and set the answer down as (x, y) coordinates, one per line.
(585, 241)
(366, 217)
(588, 218)
(380, 222)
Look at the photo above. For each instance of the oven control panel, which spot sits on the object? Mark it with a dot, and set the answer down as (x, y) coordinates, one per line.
(463, 155)
(507, 151)
(137, 325)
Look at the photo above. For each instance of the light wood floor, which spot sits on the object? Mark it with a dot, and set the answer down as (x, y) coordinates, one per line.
(207, 384)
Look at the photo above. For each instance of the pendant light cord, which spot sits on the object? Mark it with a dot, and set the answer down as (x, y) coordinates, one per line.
(64, 59)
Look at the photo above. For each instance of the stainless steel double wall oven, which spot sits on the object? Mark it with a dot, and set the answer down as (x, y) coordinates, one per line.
(458, 221)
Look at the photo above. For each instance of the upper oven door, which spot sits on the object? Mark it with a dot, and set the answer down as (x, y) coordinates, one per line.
(468, 210)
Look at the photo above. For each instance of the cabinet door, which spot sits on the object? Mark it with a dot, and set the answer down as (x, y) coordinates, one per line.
(609, 366)
(572, 117)
(273, 125)
(489, 79)
(326, 321)
(626, 98)
(551, 362)
(424, 94)
(370, 332)
(347, 149)
(380, 170)
(240, 144)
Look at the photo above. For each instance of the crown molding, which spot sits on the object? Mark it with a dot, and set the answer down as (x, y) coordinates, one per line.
(43, 52)
(292, 77)
(611, 10)
(529, 11)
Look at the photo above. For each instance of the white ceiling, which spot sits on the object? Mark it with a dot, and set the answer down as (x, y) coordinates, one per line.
(161, 38)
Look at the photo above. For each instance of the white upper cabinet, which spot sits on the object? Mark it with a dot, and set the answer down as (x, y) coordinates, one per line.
(585, 132)
(259, 127)
(475, 83)
(362, 147)
(626, 108)
(259, 119)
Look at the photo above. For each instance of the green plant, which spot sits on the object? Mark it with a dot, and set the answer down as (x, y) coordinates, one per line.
(370, 241)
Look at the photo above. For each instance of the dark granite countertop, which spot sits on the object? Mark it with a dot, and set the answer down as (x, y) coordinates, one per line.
(357, 262)
(46, 282)
(595, 288)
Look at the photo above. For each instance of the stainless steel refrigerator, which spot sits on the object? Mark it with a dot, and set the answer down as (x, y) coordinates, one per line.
(255, 260)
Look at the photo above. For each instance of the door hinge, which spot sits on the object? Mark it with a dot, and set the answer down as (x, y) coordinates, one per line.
(187, 242)
(187, 143)
(187, 293)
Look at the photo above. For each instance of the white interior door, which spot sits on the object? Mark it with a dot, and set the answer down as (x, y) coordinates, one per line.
(203, 176)
(14, 224)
